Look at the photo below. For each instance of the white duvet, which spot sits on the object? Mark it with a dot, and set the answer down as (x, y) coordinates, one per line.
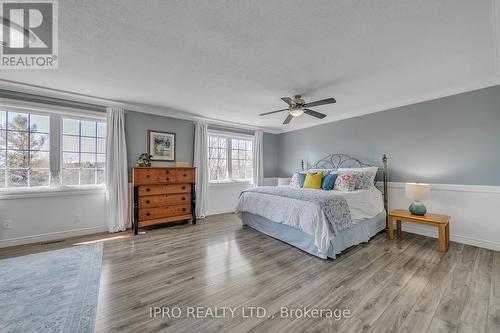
(308, 216)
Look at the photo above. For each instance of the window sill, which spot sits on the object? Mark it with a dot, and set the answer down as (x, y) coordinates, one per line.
(45, 193)
(230, 183)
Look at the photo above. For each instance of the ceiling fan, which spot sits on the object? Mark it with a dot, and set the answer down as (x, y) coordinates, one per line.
(297, 106)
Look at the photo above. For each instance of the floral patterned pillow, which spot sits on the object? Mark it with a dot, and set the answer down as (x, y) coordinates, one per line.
(366, 176)
(346, 182)
(294, 182)
(363, 180)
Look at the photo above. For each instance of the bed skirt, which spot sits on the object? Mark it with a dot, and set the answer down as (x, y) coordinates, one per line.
(361, 232)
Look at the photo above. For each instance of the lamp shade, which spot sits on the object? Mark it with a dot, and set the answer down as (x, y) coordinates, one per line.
(417, 191)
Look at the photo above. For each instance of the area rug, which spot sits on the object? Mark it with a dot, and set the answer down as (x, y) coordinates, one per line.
(53, 291)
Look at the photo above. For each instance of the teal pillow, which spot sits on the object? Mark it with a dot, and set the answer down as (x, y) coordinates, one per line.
(328, 181)
(302, 179)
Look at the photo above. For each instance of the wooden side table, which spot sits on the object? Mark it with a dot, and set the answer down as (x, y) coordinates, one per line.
(442, 222)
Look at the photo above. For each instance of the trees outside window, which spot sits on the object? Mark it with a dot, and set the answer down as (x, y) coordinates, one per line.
(24, 150)
(230, 158)
(32, 155)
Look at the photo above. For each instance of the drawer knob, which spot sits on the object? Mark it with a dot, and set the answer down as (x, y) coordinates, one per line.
(147, 201)
(148, 189)
(168, 172)
(183, 198)
(185, 175)
(148, 214)
(147, 176)
(183, 209)
(184, 187)
(168, 178)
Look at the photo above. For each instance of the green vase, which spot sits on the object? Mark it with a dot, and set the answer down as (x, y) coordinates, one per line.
(417, 208)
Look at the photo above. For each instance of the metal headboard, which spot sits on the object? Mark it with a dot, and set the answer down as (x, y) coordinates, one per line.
(335, 161)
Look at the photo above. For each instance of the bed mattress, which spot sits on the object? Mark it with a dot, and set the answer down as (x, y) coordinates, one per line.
(307, 216)
(361, 231)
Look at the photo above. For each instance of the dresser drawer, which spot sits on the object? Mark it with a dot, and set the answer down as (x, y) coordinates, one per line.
(159, 212)
(168, 175)
(164, 200)
(164, 189)
(147, 176)
(185, 176)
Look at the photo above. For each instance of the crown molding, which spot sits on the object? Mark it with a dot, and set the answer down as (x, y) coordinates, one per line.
(419, 99)
(129, 106)
(173, 113)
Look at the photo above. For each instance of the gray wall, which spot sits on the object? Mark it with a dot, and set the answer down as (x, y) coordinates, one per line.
(136, 131)
(451, 140)
(137, 125)
(270, 155)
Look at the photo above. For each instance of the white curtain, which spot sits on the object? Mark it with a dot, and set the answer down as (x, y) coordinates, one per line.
(258, 158)
(117, 203)
(201, 164)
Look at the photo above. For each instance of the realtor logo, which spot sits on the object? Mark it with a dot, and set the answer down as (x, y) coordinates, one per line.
(29, 36)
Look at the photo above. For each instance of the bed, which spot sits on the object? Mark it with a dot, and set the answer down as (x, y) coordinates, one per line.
(321, 223)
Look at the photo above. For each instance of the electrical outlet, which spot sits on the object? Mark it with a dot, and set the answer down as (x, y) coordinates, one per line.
(7, 224)
(76, 218)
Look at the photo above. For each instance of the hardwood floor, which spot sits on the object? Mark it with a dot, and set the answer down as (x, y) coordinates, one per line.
(387, 286)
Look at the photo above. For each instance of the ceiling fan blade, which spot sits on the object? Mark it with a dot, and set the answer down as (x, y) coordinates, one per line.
(287, 100)
(321, 102)
(288, 119)
(263, 114)
(314, 113)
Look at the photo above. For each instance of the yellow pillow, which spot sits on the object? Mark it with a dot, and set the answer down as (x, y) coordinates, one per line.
(313, 180)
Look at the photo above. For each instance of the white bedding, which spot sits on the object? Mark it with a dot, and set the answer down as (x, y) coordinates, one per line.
(308, 216)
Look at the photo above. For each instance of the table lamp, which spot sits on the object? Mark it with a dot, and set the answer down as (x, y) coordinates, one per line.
(417, 192)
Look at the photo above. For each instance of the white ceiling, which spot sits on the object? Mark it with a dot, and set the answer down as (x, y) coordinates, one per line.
(231, 60)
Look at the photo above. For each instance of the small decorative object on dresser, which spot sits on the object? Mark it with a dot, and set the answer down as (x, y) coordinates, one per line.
(417, 192)
(144, 160)
(161, 146)
(163, 195)
(442, 222)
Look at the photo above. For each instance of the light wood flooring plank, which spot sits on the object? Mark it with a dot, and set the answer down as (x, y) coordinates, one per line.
(403, 285)
(493, 323)
(452, 303)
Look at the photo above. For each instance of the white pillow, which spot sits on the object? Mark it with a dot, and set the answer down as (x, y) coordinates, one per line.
(325, 171)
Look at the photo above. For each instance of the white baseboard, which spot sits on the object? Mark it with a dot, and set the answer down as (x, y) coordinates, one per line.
(432, 232)
(51, 236)
(220, 211)
(472, 208)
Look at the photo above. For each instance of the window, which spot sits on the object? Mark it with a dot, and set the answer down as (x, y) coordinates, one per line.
(24, 149)
(241, 159)
(83, 152)
(217, 157)
(45, 150)
(230, 157)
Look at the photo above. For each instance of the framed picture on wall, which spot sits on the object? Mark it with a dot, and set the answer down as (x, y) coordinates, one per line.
(161, 145)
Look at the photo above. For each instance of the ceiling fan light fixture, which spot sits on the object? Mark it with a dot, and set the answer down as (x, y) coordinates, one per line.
(296, 112)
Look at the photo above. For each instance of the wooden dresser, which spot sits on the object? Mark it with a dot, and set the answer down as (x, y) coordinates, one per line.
(163, 195)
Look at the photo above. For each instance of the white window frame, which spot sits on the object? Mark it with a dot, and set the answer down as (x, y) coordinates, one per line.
(61, 162)
(56, 113)
(229, 136)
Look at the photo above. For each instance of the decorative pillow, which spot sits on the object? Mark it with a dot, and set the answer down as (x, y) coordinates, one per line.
(346, 182)
(328, 181)
(294, 182)
(366, 176)
(302, 178)
(313, 180)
